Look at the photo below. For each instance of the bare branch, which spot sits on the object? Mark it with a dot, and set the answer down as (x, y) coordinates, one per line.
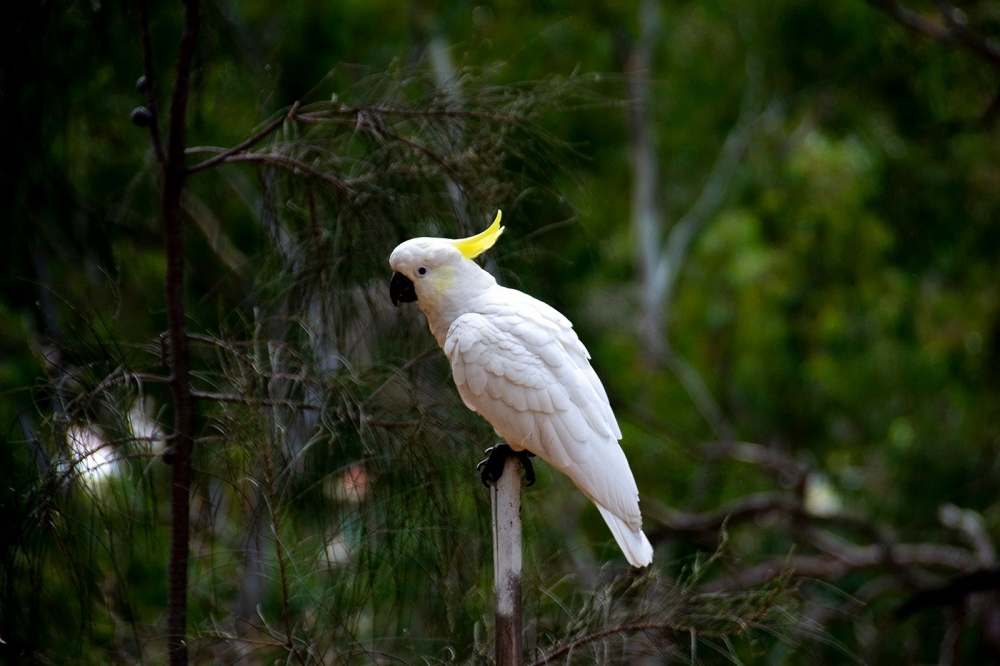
(837, 557)
(953, 29)
(895, 554)
(251, 400)
(972, 526)
(953, 592)
(743, 509)
(789, 470)
(125, 377)
(239, 148)
(285, 162)
(700, 394)
(717, 188)
(646, 213)
(835, 565)
(445, 80)
(912, 20)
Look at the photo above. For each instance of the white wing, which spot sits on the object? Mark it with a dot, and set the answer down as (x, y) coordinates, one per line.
(518, 363)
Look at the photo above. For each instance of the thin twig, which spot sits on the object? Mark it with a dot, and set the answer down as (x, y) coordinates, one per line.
(239, 148)
(746, 508)
(296, 404)
(789, 470)
(399, 371)
(291, 164)
(623, 630)
(149, 87)
(977, 44)
(952, 31)
(700, 394)
(353, 111)
(279, 546)
(126, 377)
(250, 400)
(715, 192)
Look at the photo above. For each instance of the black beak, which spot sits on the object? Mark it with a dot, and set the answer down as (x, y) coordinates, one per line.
(401, 289)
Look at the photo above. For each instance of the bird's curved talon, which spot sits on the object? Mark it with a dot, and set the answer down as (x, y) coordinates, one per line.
(529, 469)
(491, 468)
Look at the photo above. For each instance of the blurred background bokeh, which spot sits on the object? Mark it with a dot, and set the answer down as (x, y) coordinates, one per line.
(775, 225)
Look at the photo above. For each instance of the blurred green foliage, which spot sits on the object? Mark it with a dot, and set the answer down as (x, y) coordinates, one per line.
(841, 307)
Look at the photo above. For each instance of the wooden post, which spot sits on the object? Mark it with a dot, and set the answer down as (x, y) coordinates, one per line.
(506, 497)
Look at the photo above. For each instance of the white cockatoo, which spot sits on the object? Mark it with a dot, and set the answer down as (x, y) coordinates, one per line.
(519, 364)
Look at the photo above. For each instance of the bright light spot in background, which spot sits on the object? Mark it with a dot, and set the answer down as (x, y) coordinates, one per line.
(93, 459)
(147, 432)
(821, 497)
(338, 552)
(349, 488)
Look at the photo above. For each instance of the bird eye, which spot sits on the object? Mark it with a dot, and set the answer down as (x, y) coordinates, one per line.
(421, 271)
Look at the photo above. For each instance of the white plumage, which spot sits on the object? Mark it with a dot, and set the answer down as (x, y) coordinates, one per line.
(519, 363)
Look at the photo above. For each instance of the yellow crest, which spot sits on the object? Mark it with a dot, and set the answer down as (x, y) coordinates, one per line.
(474, 246)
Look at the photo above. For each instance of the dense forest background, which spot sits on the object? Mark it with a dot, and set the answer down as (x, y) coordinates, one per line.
(774, 224)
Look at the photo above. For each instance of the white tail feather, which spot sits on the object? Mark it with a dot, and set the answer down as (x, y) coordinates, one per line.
(633, 543)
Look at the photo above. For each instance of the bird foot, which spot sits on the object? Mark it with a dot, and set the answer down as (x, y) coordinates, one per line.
(491, 469)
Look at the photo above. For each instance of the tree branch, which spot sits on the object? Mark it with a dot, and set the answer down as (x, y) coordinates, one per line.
(241, 147)
(173, 183)
(835, 566)
(285, 162)
(953, 592)
(262, 402)
(743, 509)
(972, 526)
(699, 393)
(788, 470)
(713, 195)
(837, 557)
(296, 404)
(953, 30)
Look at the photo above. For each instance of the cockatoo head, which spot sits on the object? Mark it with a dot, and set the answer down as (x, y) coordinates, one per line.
(438, 273)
